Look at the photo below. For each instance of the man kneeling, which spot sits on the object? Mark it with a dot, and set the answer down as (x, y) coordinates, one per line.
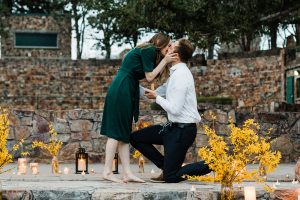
(178, 98)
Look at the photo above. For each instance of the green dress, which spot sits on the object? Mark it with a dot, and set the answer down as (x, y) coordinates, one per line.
(122, 99)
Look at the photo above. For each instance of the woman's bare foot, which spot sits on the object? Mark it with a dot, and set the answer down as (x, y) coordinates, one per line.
(111, 177)
(132, 178)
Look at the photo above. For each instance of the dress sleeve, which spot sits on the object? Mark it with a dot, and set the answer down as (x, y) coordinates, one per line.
(148, 55)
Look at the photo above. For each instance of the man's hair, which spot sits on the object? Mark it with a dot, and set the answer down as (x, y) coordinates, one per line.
(184, 49)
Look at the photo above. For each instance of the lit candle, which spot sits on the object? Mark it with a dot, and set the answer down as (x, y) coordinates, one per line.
(250, 193)
(81, 165)
(82, 173)
(22, 168)
(34, 168)
(287, 176)
(22, 162)
(239, 186)
(152, 171)
(152, 86)
(66, 170)
(141, 164)
(193, 189)
(92, 171)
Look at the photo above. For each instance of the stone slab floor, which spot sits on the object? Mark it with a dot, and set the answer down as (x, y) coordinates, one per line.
(91, 186)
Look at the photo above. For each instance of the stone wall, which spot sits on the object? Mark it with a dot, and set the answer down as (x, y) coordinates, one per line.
(52, 84)
(284, 136)
(40, 24)
(253, 83)
(55, 84)
(75, 128)
(81, 128)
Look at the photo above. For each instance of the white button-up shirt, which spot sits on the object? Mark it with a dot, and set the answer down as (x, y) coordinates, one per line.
(180, 101)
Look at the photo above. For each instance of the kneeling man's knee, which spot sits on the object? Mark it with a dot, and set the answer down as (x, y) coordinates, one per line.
(172, 179)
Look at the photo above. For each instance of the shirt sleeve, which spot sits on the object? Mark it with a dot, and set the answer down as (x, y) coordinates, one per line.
(175, 101)
(161, 90)
(142, 91)
(148, 55)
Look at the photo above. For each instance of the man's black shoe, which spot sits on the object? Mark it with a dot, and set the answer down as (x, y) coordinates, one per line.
(159, 179)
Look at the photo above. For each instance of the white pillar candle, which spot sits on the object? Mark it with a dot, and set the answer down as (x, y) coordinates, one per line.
(34, 168)
(193, 189)
(66, 170)
(22, 162)
(250, 193)
(114, 165)
(81, 165)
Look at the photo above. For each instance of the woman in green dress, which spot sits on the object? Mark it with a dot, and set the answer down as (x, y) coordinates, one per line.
(122, 100)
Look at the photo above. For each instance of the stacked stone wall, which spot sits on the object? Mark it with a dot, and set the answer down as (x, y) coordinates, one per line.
(53, 84)
(81, 128)
(252, 83)
(40, 24)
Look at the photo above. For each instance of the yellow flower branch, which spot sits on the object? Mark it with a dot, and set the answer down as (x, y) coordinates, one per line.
(54, 144)
(248, 147)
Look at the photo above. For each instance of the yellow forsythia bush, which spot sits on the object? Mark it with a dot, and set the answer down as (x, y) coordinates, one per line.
(230, 166)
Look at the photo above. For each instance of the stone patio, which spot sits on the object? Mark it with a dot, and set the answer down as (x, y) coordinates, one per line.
(91, 186)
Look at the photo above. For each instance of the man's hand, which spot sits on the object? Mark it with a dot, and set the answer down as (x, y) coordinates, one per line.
(151, 94)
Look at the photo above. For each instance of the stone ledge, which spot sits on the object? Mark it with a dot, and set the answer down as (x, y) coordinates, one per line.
(104, 190)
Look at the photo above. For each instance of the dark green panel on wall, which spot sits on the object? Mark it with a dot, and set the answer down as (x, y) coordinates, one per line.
(290, 90)
(39, 40)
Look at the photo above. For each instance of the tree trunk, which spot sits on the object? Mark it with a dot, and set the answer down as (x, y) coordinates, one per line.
(211, 46)
(297, 33)
(210, 51)
(77, 32)
(108, 51)
(248, 42)
(83, 25)
(273, 35)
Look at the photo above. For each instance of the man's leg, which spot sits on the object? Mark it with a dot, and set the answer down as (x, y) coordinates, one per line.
(176, 143)
(194, 169)
(143, 141)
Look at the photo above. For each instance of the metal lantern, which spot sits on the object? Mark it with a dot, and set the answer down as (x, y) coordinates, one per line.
(81, 161)
(115, 165)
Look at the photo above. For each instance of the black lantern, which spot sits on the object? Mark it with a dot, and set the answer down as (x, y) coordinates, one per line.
(115, 164)
(81, 161)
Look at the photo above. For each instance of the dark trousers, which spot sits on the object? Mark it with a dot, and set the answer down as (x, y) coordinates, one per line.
(176, 142)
